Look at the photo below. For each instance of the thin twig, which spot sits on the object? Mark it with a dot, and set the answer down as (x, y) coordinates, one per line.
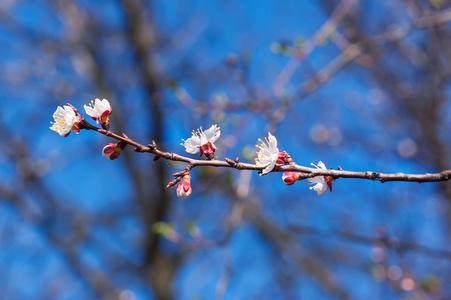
(389, 242)
(354, 51)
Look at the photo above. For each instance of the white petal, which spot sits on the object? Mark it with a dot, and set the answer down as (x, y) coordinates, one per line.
(59, 130)
(90, 111)
(192, 144)
(316, 179)
(321, 165)
(212, 134)
(101, 106)
(69, 111)
(98, 107)
(268, 168)
(272, 141)
(320, 188)
(262, 163)
(106, 104)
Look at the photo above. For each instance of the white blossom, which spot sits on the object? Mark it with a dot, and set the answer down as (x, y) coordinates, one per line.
(268, 155)
(203, 141)
(321, 184)
(65, 120)
(99, 110)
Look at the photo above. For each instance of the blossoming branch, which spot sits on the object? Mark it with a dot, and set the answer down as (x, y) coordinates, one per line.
(269, 158)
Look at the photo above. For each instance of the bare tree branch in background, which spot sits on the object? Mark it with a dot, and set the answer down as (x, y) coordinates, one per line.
(160, 69)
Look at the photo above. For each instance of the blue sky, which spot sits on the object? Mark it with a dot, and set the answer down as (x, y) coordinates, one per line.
(361, 131)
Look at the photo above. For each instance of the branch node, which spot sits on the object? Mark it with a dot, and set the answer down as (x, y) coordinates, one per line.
(373, 176)
(188, 167)
(230, 162)
(234, 163)
(138, 149)
(287, 158)
(152, 146)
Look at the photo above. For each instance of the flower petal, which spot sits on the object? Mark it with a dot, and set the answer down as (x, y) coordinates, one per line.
(192, 144)
(316, 179)
(90, 111)
(268, 168)
(272, 141)
(102, 106)
(321, 165)
(320, 188)
(212, 134)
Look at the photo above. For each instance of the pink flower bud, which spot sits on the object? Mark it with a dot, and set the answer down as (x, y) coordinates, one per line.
(290, 177)
(281, 158)
(208, 149)
(184, 187)
(111, 151)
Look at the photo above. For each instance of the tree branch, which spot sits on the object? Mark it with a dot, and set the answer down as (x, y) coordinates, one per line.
(306, 172)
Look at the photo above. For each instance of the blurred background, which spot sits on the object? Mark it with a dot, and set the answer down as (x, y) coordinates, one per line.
(359, 84)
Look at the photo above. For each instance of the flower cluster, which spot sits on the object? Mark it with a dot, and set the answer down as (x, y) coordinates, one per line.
(321, 183)
(270, 156)
(67, 119)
